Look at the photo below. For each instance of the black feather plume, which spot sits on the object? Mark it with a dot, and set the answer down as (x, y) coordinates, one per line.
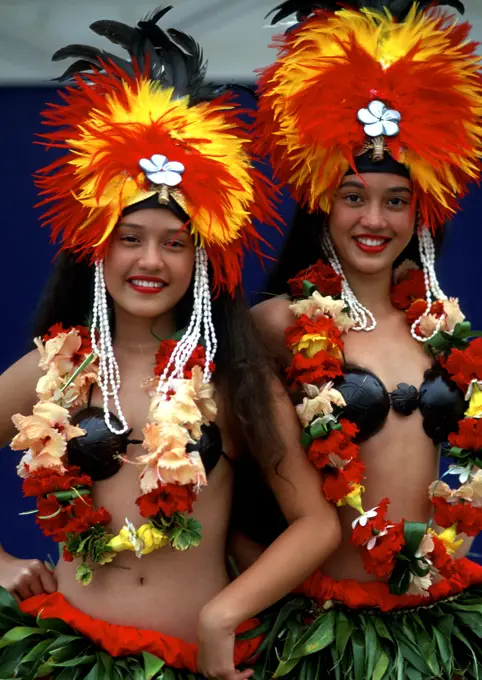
(398, 8)
(171, 58)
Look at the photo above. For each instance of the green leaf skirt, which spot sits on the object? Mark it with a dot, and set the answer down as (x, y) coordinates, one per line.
(34, 647)
(439, 640)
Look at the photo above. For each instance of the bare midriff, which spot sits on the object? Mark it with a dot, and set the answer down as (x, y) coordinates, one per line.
(165, 590)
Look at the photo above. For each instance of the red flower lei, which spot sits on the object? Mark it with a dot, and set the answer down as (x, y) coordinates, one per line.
(65, 509)
(332, 450)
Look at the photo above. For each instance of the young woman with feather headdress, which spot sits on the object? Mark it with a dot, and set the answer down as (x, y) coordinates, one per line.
(371, 114)
(130, 425)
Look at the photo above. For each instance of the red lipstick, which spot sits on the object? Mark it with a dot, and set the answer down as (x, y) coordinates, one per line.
(146, 285)
(373, 244)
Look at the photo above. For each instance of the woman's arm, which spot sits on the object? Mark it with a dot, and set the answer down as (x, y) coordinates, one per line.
(313, 534)
(23, 578)
(17, 393)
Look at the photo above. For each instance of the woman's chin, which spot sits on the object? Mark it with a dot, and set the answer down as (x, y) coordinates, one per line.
(369, 264)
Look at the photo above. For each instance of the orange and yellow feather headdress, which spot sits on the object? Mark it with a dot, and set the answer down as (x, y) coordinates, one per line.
(134, 129)
(361, 80)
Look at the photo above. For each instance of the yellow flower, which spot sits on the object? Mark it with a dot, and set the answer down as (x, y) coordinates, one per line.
(354, 498)
(152, 538)
(448, 536)
(147, 539)
(475, 403)
(121, 541)
(312, 343)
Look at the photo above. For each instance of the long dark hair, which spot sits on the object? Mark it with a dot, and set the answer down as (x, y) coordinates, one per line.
(243, 368)
(302, 248)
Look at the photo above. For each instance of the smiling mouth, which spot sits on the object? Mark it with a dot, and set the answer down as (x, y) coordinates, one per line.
(371, 244)
(147, 285)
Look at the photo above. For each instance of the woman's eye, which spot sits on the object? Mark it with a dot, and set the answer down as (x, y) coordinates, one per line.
(128, 238)
(174, 244)
(352, 198)
(397, 202)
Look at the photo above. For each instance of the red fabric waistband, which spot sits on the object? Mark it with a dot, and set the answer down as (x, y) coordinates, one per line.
(125, 640)
(375, 594)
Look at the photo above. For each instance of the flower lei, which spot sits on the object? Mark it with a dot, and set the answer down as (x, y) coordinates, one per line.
(170, 475)
(408, 554)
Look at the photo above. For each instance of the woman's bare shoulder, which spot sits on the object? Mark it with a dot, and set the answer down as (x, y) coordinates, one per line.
(274, 315)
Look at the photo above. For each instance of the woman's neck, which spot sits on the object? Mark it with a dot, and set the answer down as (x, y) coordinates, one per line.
(139, 334)
(372, 290)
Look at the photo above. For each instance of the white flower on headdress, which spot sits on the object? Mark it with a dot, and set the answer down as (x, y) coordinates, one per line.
(161, 171)
(379, 120)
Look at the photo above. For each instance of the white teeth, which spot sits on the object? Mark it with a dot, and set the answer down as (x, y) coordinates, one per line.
(370, 241)
(147, 284)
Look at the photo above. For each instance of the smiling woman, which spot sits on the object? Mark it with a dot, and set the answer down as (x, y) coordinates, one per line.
(374, 214)
(147, 381)
(374, 122)
(149, 265)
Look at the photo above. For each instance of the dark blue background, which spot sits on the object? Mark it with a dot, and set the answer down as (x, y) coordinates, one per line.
(27, 256)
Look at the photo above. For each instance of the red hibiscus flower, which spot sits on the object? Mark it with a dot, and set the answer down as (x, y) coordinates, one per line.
(410, 288)
(84, 516)
(323, 326)
(58, 520)
(415, 311)
(52, 517)
(168, 499)
(441, 559)
(465, 365)
(362, 534)
(339, 442)
(467, 517)
(469, 436)
(166, 348)
(380, 560)
(321, 275)
(305, 371)
(337, 483)
(42, 482)
(67, 555)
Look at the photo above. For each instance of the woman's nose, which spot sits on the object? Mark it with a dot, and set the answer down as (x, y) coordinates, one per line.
(150, 259)
(374, 216)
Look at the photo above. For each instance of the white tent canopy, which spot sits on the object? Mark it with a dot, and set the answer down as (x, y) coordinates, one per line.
(234, 33)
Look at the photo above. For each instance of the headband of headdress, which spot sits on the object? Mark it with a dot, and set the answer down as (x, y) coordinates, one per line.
(150, 126)
(377, 81)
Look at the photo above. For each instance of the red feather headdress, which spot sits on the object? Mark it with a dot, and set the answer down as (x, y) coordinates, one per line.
(132, 131)
(349, 81)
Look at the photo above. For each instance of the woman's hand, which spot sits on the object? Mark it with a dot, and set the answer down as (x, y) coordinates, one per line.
(25, 578)
(216, 648)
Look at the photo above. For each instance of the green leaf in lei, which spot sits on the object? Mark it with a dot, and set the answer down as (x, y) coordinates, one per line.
(186, 533)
